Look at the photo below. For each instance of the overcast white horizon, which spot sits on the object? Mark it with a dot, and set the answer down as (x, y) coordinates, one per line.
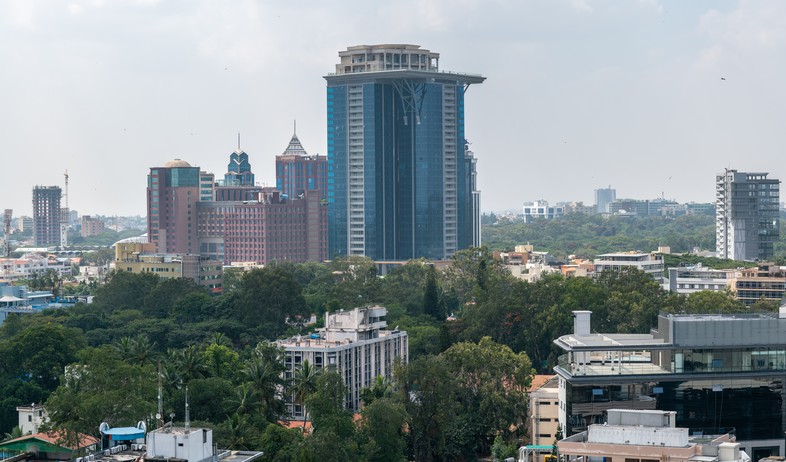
(650, 97)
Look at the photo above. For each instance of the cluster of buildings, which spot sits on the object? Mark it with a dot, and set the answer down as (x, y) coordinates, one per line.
(399, 181)
(709, 374)
(236, 220)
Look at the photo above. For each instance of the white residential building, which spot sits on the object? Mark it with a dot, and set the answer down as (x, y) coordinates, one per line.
(690, 279)
(541, 209)
(31, 418)
(354, 343)
(650, 263)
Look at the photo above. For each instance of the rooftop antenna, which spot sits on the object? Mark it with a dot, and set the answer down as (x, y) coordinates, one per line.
(238, 141)
(295, 131)
(188, 414)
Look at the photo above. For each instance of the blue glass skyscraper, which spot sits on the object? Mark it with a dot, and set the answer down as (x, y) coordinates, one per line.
(401, 183)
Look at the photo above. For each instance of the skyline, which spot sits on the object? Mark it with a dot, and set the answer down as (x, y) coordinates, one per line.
(108, 90)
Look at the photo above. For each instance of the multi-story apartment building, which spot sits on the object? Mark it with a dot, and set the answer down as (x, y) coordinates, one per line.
(91, 226)
(689, 279)
(543, 410)
(765, 282)
(541, 209)
(354, 343)
(650, 263)
(46, 216)
(715, 371)
(746, 215)
(297, 172)
(133, 257)
(400, 177)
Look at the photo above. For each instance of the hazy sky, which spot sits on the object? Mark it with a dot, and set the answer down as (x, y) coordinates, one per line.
(580, 94)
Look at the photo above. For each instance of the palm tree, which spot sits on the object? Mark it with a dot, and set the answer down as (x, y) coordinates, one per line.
(142, 349)
(124, 348)
(305, 385)
(264, 379)
(381, 388)
(16, 432)
(191, 363)
(244, 400)
(218, 338)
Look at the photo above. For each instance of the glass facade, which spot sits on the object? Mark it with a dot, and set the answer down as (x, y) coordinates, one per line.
(413, 170)
(752, 407)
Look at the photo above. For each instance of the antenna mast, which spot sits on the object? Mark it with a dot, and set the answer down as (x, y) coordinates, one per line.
(188, 414)
(160, 413)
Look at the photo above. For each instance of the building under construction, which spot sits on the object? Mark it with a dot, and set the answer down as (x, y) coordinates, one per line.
(46, 215)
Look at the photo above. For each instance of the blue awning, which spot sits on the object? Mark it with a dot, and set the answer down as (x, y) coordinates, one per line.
(125, 433)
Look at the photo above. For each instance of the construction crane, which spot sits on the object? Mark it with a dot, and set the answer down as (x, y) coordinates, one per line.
(7, 231)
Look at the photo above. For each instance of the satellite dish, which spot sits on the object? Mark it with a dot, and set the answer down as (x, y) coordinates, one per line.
(104, 427)
(158, 415)
(141, 425)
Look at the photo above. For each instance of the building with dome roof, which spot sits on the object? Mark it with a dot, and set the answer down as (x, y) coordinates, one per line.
(172, 193)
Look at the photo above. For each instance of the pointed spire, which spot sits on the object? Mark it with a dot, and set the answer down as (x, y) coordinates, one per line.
(295, 148)
(238, 141)
(295, 130)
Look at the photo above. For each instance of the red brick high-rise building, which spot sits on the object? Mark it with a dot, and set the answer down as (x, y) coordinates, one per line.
(296, 171)
(172, 195)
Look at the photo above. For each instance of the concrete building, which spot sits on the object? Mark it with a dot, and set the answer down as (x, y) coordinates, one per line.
(603, 199)
(746, 215)
(132, 257)
(46, 216)
(172, 193)
(644, 436)
(354, 343)
(31, 418)
(270, 227)
(400, 174)
(643, 208)
(650, 263)
(715, 371)
(689, 279)
(540, 209)
(544, 410)
(298, 172)
(91, 226)
(764, 282)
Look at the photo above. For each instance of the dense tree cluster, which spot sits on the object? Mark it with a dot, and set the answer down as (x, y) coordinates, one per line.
(476, 337)
(589, 235)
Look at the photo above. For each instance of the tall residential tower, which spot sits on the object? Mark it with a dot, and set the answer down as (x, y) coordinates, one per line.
(400, 179)
(47, 215)
(746, 215)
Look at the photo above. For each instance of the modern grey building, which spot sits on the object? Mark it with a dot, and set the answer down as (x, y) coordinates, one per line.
(717, 372)
(47, 216)
(603, 199)
(401, 180)
(746, 215)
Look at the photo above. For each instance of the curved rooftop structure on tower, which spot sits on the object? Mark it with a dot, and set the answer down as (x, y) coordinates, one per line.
(176, 163)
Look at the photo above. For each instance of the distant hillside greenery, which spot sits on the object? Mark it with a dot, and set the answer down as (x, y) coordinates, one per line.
(589, 235)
